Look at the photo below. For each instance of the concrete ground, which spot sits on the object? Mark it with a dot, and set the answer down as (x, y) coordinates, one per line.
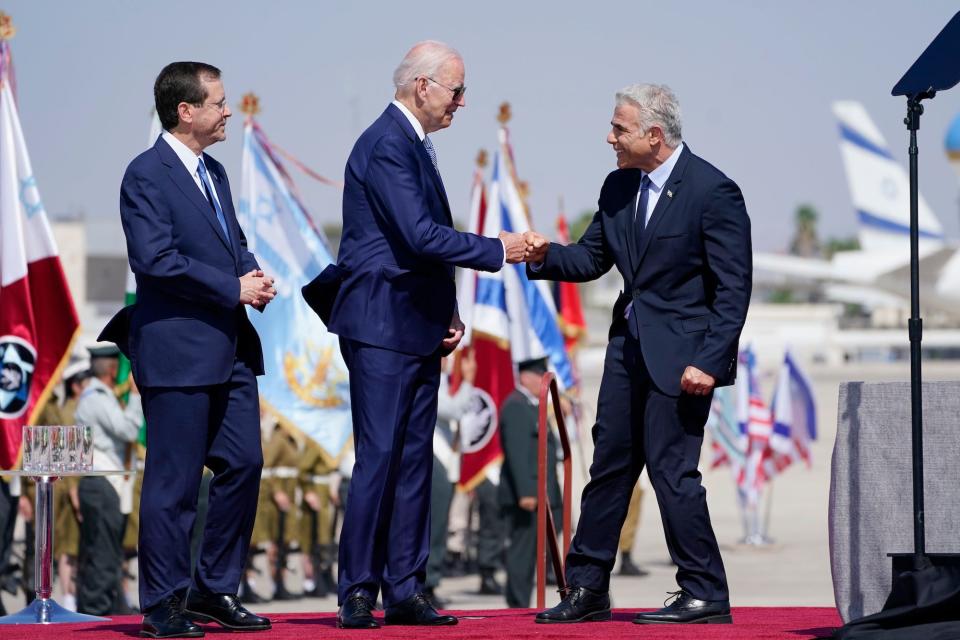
(794, 570)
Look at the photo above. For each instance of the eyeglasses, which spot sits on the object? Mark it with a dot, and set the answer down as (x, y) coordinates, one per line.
(457, 91)
(218, 106)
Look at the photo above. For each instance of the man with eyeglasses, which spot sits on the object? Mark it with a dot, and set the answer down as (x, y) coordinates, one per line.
(393, 304)
(195, 357)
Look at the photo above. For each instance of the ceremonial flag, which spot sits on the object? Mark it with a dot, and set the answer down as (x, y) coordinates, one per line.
(483, 310)
(38, 322)
(572, 323)
(728, 442)
(533, 327)
(305, 385)
(756, 422)
(794, 418)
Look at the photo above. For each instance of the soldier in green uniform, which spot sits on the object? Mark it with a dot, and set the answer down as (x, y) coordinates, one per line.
(281, 459)
(519, 417)
(316, 522)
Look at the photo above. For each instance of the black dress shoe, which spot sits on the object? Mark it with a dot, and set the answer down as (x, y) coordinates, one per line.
(356, 613)
(435, 600)
(688, 610)
(417, 611)
(578, 605)
(166, 620)
(489, 585)
(224, 609)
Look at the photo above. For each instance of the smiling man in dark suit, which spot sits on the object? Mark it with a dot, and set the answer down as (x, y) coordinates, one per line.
(195, 357)
(396, 314)
(677, 230)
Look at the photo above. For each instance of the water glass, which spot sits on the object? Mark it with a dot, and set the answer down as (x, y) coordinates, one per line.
(73, 436)
(41, 448)
(58, 448)
(86, 447)
(29, 460)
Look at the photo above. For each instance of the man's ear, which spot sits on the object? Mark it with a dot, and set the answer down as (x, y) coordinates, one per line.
(185, 111)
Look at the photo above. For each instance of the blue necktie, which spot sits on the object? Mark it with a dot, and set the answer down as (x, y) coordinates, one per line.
(431, 152)
(208, 188)
(640, 219)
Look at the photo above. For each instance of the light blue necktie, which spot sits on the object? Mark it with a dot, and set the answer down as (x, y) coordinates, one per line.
(208, 187)
(431, 152)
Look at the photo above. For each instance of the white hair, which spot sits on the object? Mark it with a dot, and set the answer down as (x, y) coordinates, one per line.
(423, 60)
(657, 105)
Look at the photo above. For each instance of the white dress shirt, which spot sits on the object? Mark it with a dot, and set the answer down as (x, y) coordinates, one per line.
(191, 161)
(658, 178)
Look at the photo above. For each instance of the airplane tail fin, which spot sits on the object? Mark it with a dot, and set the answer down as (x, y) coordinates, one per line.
(879, 186)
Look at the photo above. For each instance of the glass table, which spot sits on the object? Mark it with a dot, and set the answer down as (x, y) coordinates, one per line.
(44, 609)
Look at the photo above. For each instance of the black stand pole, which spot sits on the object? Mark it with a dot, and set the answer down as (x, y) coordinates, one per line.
(915, 328)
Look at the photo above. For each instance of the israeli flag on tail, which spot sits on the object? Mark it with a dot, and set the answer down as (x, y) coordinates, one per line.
(880, 187)
(305, 385)
(533, 326)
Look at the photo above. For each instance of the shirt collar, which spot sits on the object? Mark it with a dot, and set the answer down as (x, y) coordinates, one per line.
(189, 159)
(659, 176)
(413, 120)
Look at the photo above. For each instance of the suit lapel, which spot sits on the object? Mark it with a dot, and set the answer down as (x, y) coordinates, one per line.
(421, 152)
(667, 193)
(189, 188)
(226, 204)
(625, 222)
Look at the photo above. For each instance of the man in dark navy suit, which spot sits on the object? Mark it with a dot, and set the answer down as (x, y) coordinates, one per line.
(396, 315)
(677, 230)
(195, 357)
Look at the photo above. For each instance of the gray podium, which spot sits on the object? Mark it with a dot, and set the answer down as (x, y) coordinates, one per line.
(871, 503)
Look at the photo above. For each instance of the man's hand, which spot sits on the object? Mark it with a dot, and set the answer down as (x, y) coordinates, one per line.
(536, 247)
(528, 503)
(468, 366)
(256, 289)
(25, 508)
(454, 334)
(696, 382)
(312, 500)
(281, 500)
(514, 246)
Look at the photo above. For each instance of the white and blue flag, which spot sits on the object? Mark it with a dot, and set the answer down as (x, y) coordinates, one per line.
(305, 383)
(522, 308)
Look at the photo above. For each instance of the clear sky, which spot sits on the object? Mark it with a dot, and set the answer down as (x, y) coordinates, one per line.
(755, 82)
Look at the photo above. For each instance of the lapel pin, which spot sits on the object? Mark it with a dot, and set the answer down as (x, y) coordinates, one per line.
(669, 193)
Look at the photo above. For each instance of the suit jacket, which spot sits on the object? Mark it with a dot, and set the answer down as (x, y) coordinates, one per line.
(399, 247)
(688, 277)
(519, 421)
(187, 324)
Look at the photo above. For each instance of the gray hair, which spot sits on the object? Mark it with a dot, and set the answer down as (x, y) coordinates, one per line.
(423, 60)
(657, 106)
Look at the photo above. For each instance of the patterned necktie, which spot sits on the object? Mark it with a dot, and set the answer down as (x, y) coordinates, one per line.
(215, 205)
(431, 152)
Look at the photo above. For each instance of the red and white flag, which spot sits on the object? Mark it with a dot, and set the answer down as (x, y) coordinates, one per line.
(38, 322)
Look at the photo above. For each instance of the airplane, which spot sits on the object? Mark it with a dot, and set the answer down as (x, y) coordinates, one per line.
(878, 274)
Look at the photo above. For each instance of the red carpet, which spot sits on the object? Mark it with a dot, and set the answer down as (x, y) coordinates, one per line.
(796, 623)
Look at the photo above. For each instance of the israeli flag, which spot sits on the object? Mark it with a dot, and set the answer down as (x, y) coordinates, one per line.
(533, 328)
(305, 383)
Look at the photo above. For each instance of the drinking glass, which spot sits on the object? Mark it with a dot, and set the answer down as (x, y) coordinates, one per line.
(86, 447)
(58, 447)
(73, 435)
(29, 461)
(41, 448)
